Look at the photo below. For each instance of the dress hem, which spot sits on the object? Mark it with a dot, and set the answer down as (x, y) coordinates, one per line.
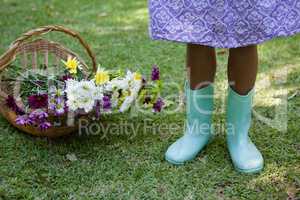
(212, 44)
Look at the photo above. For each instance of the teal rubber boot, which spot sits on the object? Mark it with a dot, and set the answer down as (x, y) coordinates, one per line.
(198, 126)
(244, 154)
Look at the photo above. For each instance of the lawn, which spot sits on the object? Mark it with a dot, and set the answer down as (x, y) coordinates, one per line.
(132, 166)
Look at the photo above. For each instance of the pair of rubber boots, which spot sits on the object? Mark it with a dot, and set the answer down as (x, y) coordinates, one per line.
(198, 132)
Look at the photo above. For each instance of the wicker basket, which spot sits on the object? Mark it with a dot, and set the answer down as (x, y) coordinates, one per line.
(24, 47)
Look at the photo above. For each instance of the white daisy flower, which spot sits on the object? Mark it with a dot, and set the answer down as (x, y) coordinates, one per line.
(126, 103)
(98, 93)
(81, 95)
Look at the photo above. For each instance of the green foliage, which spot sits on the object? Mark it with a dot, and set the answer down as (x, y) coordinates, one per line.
(34, 84)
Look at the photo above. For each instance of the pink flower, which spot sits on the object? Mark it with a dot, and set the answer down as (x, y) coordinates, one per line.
(11, 103)
(38, 101)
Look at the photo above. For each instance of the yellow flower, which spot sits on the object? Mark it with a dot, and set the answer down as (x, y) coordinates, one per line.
(101, 76)
(71, 64)
(137, 76)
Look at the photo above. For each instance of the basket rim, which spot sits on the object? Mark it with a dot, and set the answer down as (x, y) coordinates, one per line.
(10, 54)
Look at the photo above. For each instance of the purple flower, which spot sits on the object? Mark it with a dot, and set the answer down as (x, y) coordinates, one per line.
(60, 106)
(38, 115)
(106, 103)
(44, 125)
(57, 105)
(59, 110)
(11, 103)
(57, 102)
(52, 107)
(157, 106)
(155, 73)
(23, 120)
(66, 77)
(97, 109)
(66, 108)
(38, 101)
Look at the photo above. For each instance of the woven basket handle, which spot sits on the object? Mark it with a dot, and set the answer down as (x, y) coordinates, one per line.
(10, 54)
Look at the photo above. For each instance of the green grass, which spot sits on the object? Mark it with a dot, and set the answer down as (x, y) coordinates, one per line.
(132, 166)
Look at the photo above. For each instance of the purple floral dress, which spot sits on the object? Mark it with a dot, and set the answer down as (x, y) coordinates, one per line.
(223, 23)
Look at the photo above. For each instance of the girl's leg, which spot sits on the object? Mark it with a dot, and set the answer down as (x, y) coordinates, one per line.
(242, 70)
(201, 65)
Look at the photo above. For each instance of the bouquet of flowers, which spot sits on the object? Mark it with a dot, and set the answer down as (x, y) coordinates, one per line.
(49, 98)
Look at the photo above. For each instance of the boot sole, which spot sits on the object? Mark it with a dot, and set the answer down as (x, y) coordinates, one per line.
(174, 162)
(179, 163)
(246, 171)
(249, 171)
